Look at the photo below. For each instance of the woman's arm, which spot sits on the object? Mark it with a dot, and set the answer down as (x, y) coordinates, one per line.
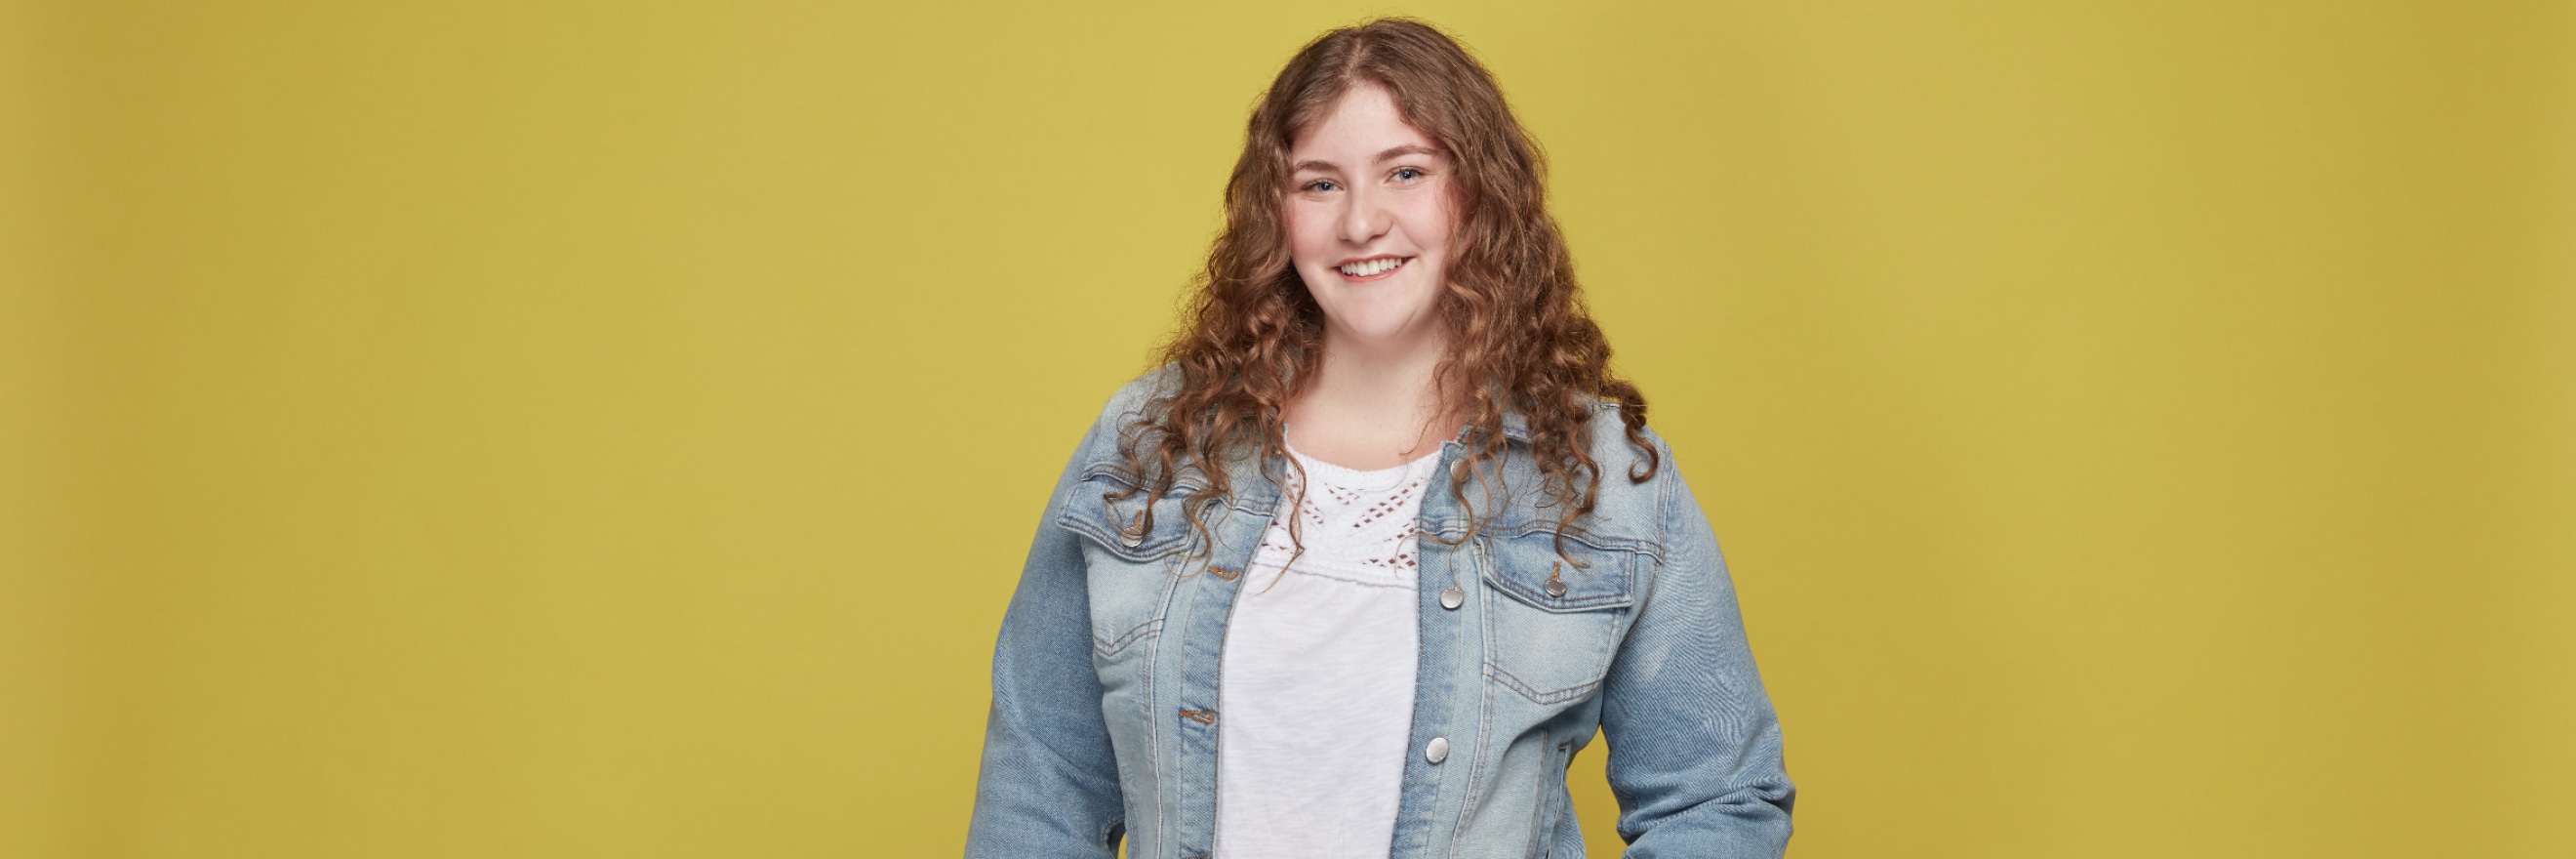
(1049, 784)
(1694, 745)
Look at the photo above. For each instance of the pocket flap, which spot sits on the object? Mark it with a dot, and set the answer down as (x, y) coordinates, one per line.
(1118, 524)
(1528, 569)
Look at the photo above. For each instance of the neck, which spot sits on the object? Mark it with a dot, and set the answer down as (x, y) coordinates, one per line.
(1382, 375)
(1372, 404)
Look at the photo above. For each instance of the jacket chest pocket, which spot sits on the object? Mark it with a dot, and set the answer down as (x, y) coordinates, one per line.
(1552, 624)
(1131, 554)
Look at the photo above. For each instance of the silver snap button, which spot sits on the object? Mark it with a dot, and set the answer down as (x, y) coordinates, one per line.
(1452, 597)
(1555, 588)
(1437, 751)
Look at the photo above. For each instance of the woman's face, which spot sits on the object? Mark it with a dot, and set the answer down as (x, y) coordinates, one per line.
(1369, 221)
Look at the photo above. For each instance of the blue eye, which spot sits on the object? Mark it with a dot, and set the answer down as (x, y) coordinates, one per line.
(1320, 185)
(1408, 174)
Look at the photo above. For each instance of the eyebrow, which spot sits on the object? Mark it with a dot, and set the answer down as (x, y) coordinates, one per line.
(1382, 157)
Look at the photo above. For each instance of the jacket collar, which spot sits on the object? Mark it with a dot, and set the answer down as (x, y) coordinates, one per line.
(1515, 427)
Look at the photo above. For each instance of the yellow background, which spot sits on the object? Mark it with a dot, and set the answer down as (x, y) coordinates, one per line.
(612, 429)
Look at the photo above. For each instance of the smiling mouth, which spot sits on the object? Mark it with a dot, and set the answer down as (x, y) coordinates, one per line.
(1372, 267)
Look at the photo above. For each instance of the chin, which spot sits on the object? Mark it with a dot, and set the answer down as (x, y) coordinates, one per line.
(1382, 328)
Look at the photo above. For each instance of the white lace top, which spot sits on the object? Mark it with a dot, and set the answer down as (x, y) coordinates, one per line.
(1316, 694)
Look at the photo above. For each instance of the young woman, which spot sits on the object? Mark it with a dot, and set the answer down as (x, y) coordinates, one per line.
(1370, 558)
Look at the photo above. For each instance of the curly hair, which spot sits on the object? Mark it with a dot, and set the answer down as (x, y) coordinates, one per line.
(1519, 337)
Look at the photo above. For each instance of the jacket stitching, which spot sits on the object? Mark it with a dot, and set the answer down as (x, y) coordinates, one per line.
(1164, 824)
(1548, 604)
(1485, 562)
(1453, 528)
(1559, 696)
(1109, 647)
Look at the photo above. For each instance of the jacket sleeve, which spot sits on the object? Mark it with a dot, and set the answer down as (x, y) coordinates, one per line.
(1049, 782)
(1695, 754)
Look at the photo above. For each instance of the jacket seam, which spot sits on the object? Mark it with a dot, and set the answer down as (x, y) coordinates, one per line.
(1571, 693)
(1485, 563)
(1452, 528)
(1110, 647)
(1154, 728)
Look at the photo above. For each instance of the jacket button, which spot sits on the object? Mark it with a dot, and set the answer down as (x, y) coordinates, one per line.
(1555, 588)
(1437, 751)
(1452, 597)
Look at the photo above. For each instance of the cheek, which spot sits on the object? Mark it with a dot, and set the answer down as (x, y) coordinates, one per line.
(1433, 233)
(1431, 226)
(1310, 234)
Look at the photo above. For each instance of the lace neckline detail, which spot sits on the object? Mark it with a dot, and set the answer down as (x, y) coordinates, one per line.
(1323, 473)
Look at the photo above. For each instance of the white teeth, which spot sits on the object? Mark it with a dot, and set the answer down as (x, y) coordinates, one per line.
(1366, 268)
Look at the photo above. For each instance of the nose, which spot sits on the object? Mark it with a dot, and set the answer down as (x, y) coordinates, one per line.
(1363, 219)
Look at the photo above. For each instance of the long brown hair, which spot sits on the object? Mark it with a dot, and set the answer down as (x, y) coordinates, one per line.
(1519, 337)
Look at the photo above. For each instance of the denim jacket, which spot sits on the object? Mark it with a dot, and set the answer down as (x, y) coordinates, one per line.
(1105, 696)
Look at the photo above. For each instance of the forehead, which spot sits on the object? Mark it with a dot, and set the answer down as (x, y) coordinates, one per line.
(1361, 124)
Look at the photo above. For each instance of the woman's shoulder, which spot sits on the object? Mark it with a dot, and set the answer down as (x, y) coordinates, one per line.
(1129, 405)
(1638, 478)
(1606, 432)
(1133, 400)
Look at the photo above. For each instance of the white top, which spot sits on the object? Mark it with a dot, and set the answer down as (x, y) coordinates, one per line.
(1316, 694)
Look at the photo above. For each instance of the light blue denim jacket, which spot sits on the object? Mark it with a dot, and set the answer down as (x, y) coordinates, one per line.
(1105, 695)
